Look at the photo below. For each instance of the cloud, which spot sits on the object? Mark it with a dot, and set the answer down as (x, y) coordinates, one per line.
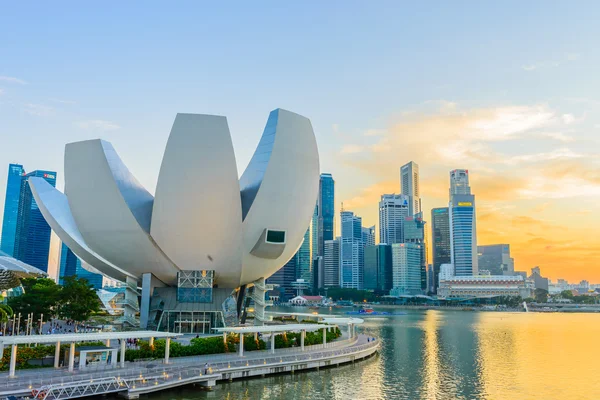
(562, 153)
(351, 149)
(97, 124)
(568, 118)
(1, 91)
(567, 58)
(61, 101)
(10, 79)
(39, 110)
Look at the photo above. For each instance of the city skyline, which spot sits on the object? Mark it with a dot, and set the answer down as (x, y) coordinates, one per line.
(519, 110)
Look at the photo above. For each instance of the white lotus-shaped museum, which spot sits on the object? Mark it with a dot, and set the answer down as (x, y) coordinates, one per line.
(201, 216)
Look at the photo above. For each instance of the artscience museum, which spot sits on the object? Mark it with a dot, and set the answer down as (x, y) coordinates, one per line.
(205, 242)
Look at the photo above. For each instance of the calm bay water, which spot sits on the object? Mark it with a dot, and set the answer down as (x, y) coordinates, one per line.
(448, 355)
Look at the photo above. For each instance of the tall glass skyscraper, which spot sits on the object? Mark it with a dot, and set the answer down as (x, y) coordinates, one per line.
(393, 209)
(32, 239)
(463, 235)
(11, 208)
(409, 186)
(378, 268)
(440, 234)
(284, 278)
(351, 252)
(326, 209)
(70, 265)
(331, 263)
(414, 232)
(304, 259)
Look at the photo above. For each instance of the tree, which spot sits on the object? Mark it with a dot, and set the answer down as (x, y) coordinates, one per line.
(40, 296)
(541, 295)
(566, 294)
(77, 299)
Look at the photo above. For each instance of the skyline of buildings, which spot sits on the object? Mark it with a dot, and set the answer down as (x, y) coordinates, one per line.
(453, 230)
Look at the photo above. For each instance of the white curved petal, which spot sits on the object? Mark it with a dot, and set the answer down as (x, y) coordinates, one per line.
(197, 216)
(112, 210)
(279, 189)
(55, 209)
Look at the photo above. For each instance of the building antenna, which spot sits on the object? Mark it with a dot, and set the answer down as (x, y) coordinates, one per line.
(342, 210)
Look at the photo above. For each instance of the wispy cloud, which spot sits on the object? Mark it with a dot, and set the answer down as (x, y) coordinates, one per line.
(61, 101)
(11, 79)
(39, 110)
(351, 149)
(1, 91)
(569, 57)
(97, 124)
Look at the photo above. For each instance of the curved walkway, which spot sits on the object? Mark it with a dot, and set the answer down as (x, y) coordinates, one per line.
(140, 374)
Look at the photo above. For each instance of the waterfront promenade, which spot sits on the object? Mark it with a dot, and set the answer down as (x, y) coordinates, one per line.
(137, 378)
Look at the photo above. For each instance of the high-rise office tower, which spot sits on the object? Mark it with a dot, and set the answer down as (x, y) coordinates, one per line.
(440, 235)
(463, 227)
(414, 232)
(351, 251)
(284, 278)
(331, 263)
(459, 182)
(32, 239)
(314, 235)
(326, 209)
(368, 236)
(406, 268)
(496, 259)
(304, 259)
(378, 268)
(11, 208)
(70, 265)
(318, 273)
(393, 209)
(409, 186)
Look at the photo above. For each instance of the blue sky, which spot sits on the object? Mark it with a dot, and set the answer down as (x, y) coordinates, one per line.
(367, 74)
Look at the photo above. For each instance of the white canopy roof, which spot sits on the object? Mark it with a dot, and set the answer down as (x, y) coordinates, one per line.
(81, 337)
(274, 328)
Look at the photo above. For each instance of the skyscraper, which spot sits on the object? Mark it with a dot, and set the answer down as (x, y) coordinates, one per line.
(368, 236)
(11, 208)
(393, 209)
(459, 182)
(352, 251)
(440, 235)
(70, 265)
(331, 262)
(326, 210)
(406, 268)
(463, 230)
(304, 259)
(414, 232)
(378, 268)
(496, 259)
(284, 278)
(32, 239)
(409, 186)
(314, 233)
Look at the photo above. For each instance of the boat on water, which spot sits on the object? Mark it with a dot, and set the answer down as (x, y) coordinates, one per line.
(367, 311)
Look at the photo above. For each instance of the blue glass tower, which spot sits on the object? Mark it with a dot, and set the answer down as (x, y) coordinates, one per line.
(11, 208)
(463, 237)
(70, 265)
(32, 239)
(351, 252)
(326, 209)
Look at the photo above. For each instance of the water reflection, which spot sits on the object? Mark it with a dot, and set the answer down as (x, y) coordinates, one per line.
(448, 355)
